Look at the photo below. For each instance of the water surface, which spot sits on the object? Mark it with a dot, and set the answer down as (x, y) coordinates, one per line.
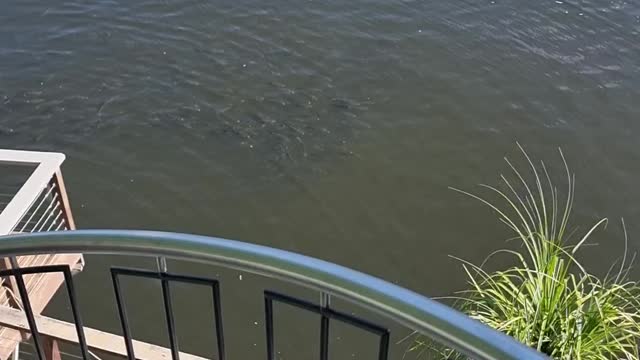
(330, 128)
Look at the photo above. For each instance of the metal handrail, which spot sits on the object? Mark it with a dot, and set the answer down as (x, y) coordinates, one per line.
(415, 311)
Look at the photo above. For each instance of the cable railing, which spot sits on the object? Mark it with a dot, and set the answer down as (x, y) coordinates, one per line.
(331, 281)
(40, 202)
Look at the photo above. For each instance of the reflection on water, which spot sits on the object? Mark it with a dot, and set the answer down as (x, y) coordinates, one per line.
(330, 128)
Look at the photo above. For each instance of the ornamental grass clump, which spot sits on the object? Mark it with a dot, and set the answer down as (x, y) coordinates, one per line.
(549, 300)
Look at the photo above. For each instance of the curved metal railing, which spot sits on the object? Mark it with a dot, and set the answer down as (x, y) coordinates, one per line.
(408, 308)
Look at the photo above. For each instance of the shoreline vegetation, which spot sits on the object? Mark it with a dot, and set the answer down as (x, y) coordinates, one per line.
(548, 300)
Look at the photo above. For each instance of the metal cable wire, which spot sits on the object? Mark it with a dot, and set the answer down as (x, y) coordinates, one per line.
(47, 212)
(43, 197)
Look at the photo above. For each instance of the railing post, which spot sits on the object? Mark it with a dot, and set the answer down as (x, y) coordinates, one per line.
(5, 264)
(16, 353)
(51, 350)
(325, 300)
(64, 200)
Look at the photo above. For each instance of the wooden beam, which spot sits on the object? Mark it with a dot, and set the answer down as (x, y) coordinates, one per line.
(96, 339)
(64, 200)
(5, 264)
(51, 349)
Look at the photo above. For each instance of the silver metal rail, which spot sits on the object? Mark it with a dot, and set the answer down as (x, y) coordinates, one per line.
(415, 311)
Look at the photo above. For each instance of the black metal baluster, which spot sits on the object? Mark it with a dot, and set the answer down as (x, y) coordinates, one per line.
(122, 311)
(324, 337)
(268, 311)
(19, 273)
(383, 349)
(217, 309)
(26, 304)
(68, 279)
(173, 339)
(166, 279)
(326, 313)
(324, 326)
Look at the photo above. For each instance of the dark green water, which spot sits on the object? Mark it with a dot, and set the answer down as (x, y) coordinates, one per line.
(330, 128)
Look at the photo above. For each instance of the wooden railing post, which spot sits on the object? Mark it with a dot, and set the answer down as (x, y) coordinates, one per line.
(64, 199)
(51, 350)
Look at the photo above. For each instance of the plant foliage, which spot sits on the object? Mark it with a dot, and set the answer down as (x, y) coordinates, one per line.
(549, 301)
